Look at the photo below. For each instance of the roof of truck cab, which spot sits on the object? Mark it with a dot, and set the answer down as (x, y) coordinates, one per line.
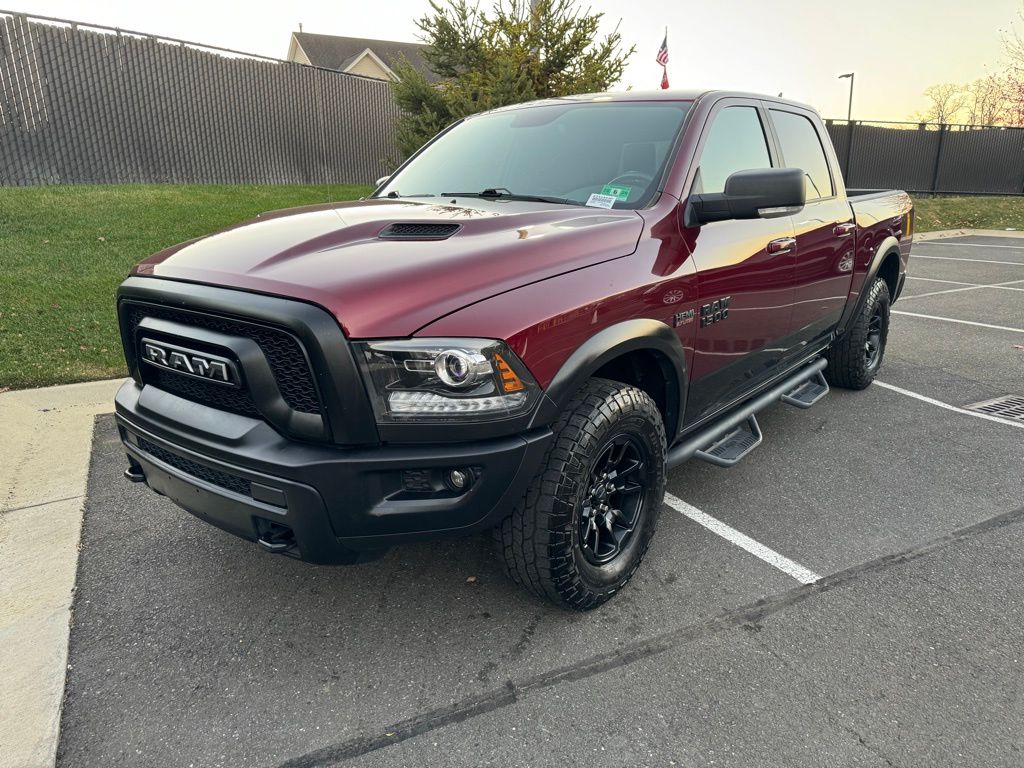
(684, 94)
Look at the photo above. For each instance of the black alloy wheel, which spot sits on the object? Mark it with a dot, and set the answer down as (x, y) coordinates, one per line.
(614, 501)
(873, 342)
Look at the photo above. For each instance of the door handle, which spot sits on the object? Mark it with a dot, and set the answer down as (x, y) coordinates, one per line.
(844, 230)
(782, 245)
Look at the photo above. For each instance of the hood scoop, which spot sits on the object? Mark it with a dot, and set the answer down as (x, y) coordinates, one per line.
(418, 230)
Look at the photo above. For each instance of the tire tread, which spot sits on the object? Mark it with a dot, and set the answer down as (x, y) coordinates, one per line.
(846, 365)
(535, 540)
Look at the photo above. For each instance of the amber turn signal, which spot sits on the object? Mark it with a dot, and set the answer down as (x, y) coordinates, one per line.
(510, 382)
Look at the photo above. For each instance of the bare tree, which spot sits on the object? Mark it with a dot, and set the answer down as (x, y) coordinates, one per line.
(1013, 90)
(946, 102)
(1013, 41)
(1013, 111)
(987, 100)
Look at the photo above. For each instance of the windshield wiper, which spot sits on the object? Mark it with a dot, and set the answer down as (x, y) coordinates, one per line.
(396, 194)
(496, 193)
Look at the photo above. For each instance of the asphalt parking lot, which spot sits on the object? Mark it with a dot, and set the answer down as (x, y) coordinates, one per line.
(192, 648)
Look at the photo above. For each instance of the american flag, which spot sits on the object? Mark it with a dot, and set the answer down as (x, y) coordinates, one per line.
(662, 57)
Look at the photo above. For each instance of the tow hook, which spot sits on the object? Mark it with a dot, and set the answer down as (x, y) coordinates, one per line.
(135, 474)
(274, 537)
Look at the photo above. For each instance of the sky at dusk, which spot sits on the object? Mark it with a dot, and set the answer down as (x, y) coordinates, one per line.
(797, 47)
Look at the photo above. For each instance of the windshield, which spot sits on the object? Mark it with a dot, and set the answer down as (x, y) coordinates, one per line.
(606, 154)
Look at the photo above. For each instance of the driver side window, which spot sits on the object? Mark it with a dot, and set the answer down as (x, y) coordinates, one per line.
(735, 142)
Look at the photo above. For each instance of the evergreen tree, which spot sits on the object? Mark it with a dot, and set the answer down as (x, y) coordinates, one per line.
(516, 52)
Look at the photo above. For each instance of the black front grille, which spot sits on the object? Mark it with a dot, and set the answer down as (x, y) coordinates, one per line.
(195, 469)
(282, 350)
(199, 391)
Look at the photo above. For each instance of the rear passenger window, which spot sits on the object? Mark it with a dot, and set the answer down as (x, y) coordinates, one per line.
(735, 142)
(801, 148)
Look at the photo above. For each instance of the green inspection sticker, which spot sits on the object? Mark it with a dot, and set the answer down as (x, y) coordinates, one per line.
(618, 191)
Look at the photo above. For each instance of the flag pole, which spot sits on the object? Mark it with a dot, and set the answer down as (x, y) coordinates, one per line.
(664, 67)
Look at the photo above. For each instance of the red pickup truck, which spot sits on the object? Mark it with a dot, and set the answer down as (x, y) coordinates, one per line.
(521, 329)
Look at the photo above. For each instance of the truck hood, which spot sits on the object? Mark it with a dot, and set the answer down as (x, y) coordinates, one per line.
(333, 255)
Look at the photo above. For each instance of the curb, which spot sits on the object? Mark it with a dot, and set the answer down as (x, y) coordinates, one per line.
(942, 234)
(42, 482)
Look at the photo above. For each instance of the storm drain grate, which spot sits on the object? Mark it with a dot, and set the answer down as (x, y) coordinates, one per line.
(1007, 407)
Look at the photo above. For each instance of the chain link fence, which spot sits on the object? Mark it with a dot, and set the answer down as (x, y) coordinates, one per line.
(922, 157)
(97, 105)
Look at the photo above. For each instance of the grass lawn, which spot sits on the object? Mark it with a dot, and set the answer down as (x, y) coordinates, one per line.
(64, 250)
(969, 212)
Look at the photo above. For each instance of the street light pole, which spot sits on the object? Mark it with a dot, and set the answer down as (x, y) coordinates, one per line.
(849, 107)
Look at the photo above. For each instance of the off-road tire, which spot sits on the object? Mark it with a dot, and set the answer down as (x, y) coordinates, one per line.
(541, 540)
(850, 365)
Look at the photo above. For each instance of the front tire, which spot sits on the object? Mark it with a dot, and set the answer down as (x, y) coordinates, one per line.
(855, 358)
(586, 521)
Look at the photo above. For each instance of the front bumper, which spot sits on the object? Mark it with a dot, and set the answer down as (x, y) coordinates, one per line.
(317, 502)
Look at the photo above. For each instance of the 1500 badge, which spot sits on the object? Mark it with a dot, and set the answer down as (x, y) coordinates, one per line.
(714, 312)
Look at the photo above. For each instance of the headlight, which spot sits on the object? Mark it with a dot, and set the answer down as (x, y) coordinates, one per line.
(446, 380)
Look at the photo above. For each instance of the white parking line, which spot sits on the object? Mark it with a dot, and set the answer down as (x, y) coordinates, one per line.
(973, 261)
(948, 407)
(961, 322)
(948, 290)
(934, 280)
(1007, 286)
(967, 245)
(741, 540)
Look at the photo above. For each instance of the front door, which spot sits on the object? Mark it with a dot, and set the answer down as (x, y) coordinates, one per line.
(744, 270)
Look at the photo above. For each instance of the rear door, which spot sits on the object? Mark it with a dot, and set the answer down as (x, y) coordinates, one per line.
(744, 268)
(824, 229)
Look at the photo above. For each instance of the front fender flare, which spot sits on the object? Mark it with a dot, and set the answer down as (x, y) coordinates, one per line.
(641, 334)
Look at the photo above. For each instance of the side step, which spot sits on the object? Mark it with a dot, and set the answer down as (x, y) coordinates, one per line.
(807, 394)
(734, 445)
(730, 439)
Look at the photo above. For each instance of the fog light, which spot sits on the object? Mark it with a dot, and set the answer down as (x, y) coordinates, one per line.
(458, 479)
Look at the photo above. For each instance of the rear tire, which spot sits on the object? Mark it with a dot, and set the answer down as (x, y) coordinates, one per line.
(856, 357)
(586, 521)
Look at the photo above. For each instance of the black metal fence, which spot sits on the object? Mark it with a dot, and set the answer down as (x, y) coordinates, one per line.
(104, 106)
(922, 157)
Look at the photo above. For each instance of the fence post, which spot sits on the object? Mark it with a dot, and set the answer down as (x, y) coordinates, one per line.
(1021, 185)
(849, 153)
(938, 157)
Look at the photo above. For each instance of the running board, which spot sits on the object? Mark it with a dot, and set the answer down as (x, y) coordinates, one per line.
(734, 445)
(807, 394)
(718, 433)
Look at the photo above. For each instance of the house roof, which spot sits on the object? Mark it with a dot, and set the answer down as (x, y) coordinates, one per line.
(334, 52)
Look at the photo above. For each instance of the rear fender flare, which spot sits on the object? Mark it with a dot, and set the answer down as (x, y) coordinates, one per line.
(887, 246)
(642, 334)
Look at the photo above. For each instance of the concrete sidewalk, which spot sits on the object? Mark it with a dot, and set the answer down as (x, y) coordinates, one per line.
(43, 471)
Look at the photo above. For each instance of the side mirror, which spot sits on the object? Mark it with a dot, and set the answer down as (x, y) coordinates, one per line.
(380, 182)
(762, 193)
